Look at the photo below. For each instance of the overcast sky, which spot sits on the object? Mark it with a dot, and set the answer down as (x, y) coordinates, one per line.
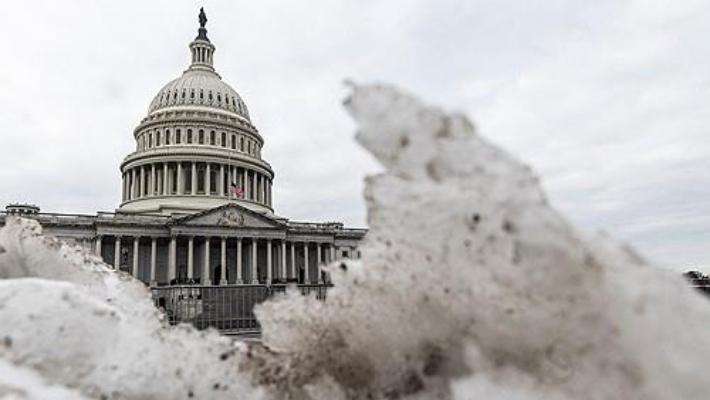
(608, 100)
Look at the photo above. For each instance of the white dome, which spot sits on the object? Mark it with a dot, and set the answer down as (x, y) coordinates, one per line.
(200, 87)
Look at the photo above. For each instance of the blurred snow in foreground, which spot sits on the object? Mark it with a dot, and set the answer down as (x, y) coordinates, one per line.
(470, 287)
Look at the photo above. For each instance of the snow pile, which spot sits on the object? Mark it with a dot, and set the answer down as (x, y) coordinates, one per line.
(67, 320)
(470, 287)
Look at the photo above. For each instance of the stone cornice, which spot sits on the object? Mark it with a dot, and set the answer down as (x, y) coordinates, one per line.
(176, 153)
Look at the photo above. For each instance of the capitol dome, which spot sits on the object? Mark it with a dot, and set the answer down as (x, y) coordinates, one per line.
(202, 88)
(197, 148)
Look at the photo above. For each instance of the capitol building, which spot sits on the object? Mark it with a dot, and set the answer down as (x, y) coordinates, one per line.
(197, 197)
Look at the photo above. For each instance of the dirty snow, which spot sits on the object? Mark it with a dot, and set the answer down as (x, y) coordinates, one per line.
(470, 287)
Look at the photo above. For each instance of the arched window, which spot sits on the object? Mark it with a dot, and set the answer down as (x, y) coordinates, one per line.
(192, 94)
(167, 136)
(241, 143)
(234, 142)
(150, 140)
(249, 147)
(178, 138)
(202, 95)
(175, 95)
(184, 93)
(201, 137)
(189, 136)
(224, 140)
(212, 138)
(210, 95)
(219, 98)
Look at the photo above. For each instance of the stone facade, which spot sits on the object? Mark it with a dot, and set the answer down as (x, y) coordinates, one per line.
(197, 205)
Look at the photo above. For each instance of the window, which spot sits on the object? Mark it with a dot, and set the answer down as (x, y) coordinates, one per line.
(241, 143)
(202, 95)
(210, 96)
(189, 136)
(157, 139)
(249, 147)
(234, 142)
(150, 140)
(192, 94)
(219, 98)
(212, 138)
(184, 94)
(175, 95)
(224, 139)
(167, 136)
(178, 139)
(201, 137)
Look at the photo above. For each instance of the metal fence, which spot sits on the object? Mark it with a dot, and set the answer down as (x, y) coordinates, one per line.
(230, 309)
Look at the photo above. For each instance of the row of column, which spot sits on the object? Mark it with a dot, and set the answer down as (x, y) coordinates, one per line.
(193, 178)
(288, 269)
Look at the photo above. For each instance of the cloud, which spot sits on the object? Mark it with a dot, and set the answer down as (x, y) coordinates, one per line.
(607, 100)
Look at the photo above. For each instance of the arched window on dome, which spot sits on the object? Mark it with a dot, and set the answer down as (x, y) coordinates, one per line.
(178, 136)
(184, 94)
(201, 137)
(209, 96)
(234, 103)
(249, 147)
(192, 94)
(241, 143)
(189, 136)
(167, 137)
(224, 140)
(202, 94)
(219, 98)
(175, 95)
(213, 138)
(150, 140)
(157, 138)
(234, 142)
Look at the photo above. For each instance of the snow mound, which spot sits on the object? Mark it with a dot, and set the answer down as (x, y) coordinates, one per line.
(470, 286)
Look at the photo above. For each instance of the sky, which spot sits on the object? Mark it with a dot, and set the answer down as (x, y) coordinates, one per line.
(608, 101)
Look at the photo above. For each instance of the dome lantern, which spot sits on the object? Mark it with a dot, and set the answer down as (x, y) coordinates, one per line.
(201, 48)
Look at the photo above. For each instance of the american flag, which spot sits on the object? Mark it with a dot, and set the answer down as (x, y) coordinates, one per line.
(237, 191)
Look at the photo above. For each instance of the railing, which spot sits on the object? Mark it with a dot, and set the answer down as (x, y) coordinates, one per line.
(229, 309)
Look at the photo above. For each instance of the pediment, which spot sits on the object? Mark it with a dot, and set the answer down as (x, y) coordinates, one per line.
(231, 216)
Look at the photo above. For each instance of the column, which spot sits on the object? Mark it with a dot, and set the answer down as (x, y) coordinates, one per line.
(98, 239)
(194, 179)
(142, 185)
(256, 189)
(172, 260)
(319, 262)
(180, 183)
(153, 258)
(254, 276)
(283, 259)
(240, 280)
(269, 264)
(134, 188)
(165, 179)
(247, 189)
(152, 180)
(293, 260)
(191, 256)
(223, 263)
(136, 244)
(117, 253)
(220, 192)
(206, 263)
(123, 187)
(208, 179)
(306, 273)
